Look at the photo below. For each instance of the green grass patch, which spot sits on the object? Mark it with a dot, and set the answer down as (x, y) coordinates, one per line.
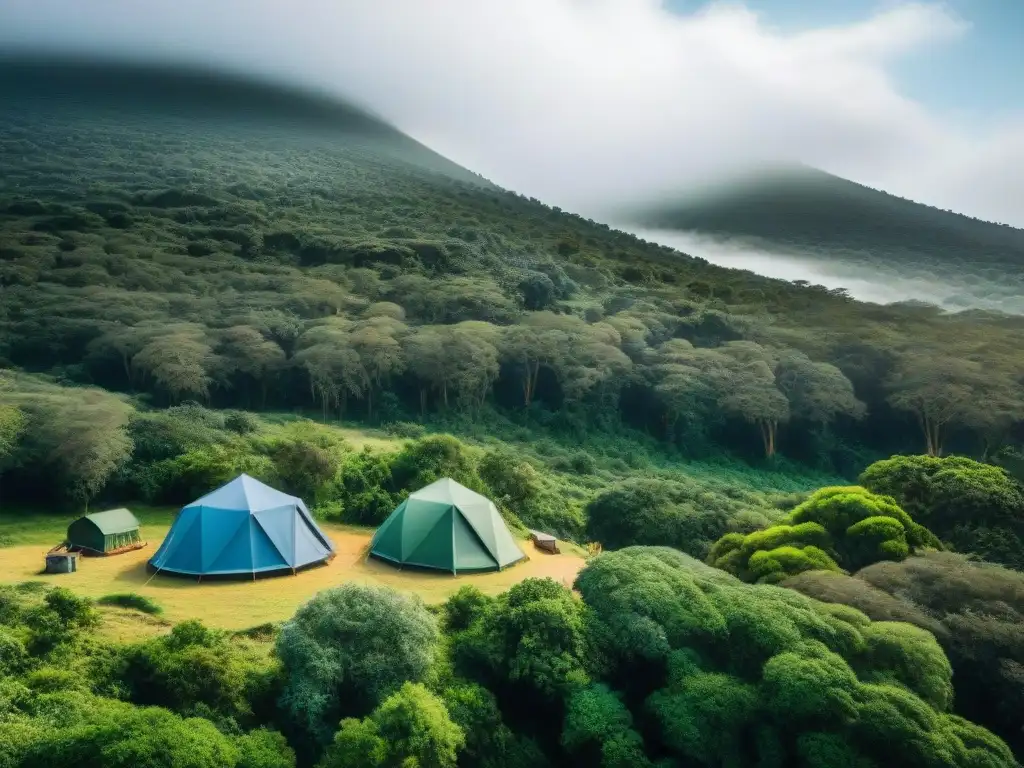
(132, 601)
(24, 527)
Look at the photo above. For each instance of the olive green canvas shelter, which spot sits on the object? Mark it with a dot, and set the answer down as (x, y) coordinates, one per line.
(447, 527)
(104, 531)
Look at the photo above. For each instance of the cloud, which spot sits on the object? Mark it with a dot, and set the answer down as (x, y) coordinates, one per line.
(584, 103)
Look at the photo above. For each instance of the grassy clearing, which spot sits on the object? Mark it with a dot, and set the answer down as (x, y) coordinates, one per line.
(23, 528)
(243, 604)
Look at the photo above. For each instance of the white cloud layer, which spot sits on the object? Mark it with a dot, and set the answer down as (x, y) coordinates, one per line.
(587, 102)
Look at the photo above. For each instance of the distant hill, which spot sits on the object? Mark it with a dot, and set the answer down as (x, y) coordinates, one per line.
(111, 87)
(807, 212)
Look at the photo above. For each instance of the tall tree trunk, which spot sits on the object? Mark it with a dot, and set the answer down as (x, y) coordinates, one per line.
(769, 428)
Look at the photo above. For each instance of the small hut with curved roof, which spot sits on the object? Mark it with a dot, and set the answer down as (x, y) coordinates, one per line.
(105, 533)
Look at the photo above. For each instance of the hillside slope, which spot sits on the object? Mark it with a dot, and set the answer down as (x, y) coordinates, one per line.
(246, 247)
(802, 211)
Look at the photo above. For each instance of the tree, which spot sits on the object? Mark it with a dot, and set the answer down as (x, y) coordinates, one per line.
(348, 649)
(511, 478)
(307, 463)
(83, 440)
(125, 342)
(460, 360)
(975, 507)
(648, 512)
(12, 424)
(246, 352)
(527, 348)
(975, 611)
(939, 388)
(747, 390)
(410, 728)
(377, 341)
(181, 362)
(735, 674)
(817, 392)
(686, 381)
(333, 364)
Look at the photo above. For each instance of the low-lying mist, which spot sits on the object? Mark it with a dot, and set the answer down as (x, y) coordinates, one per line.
(831, 271)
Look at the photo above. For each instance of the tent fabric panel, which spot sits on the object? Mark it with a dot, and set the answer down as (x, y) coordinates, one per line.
(480, 516)
(487, 521)
(82, 533)
(219, 527)
(308, 548)
(387, 540)
(114, 541)
(436, 549)
(279, 526)
(308, 517)
(508, 549)
(439, 491)
(470, 552)
(234, 554)
(113, 521)
(266, 556)
(418, 521)
(244, 493)
(228, 496)
(260, 496)
(180, 551)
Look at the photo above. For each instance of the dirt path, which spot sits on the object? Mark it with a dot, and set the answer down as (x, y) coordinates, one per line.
(241, 604)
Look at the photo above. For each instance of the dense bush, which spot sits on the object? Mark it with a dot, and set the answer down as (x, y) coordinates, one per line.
(725, 673)
(347, 650)
(659, 659)
(975, 610)
(842, 527)
(670, 513)
(976, 508)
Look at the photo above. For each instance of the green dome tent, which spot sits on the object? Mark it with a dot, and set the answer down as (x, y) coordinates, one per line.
(447, 527)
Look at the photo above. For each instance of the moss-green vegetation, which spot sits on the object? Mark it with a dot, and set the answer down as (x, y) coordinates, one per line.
(844, 527)
(974, 610)
(977, 508)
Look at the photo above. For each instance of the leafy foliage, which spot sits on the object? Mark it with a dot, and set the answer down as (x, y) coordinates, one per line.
(847, 527)
(977, 508)
(349, 648)
(975, 611)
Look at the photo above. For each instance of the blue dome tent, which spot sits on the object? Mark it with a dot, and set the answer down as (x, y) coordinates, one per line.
(243, 528)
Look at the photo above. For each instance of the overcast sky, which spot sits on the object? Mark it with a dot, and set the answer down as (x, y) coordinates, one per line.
(583, 103)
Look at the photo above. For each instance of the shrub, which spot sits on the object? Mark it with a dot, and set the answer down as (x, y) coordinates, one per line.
(975, 507)
(132, 601)
(975, 610)
(836, 527)
(349, 648)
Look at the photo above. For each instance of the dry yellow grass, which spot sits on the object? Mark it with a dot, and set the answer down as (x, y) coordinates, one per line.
(242, 604)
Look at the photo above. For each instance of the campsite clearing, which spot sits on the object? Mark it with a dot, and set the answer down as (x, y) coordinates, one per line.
(244, 603)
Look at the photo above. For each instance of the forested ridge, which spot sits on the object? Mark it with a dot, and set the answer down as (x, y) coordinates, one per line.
(257, 266)
(811, 509)
(812, 214)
